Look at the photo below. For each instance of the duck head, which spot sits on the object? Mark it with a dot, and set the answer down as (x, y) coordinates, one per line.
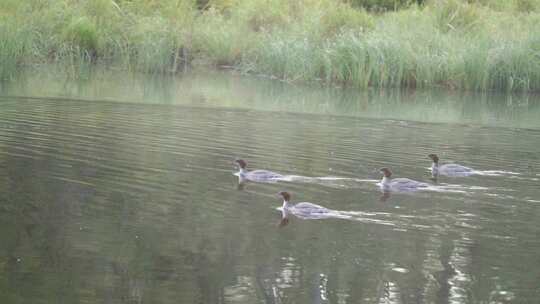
(386, 172)
(285, 196)
(241, 163)
(434, 166)
(434, 158)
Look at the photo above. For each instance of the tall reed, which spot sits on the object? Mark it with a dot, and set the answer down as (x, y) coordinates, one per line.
(480, 45)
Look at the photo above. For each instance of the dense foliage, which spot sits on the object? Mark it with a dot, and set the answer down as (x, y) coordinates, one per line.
(474, 45)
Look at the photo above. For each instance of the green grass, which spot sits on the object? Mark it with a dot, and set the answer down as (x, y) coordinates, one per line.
(469, 45)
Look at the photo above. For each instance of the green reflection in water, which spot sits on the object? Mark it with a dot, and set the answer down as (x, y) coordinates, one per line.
(226, 89)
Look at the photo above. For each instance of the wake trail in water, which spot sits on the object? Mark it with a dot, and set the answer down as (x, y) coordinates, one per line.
(345, 215)
(503, 173)
(495, 173)
(400, 221)
(476, 191)
(329, 181)
(452, 188)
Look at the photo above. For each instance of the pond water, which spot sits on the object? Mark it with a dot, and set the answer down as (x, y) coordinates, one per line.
(119, 188)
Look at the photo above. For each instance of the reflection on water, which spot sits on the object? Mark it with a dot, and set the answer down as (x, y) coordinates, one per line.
(122, 202)
(224, 89)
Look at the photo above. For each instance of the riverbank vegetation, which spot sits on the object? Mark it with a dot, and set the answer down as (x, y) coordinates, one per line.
(470, 45)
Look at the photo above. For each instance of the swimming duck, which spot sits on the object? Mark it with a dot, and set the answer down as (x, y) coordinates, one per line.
(302, 210)
(453, 170)
(255, 175)
(398, 184)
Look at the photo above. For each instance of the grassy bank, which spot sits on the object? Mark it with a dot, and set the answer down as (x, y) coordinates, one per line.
(485, 45)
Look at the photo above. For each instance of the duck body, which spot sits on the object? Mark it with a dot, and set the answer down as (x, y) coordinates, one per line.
(305, 210)
(261, 176)
(452, 170)
(399, 184)
(402, 184)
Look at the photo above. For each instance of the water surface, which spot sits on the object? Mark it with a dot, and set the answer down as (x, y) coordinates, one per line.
(121, 190)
